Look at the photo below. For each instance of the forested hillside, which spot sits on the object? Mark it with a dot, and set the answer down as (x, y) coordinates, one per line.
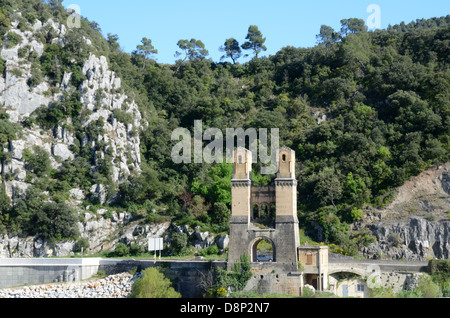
(364, 111)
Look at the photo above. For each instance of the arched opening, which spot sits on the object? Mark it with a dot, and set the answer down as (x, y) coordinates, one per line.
(348, 284)
(272, 212)
(264, 211)
(264, 214)
(255, 214)
(263, 251)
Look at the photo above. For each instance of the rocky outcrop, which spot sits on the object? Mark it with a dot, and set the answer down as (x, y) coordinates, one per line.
(102, 98)
(198, 239)
(15, 94)
(99, 228)
(121, 139)
(416, 224)
(416, 239)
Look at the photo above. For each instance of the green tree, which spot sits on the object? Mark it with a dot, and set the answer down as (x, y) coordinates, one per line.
(24, 210)
(8, 130)
(37, 162)
(238, 278)
(5, 201)
(255, 41)
(193, 49)
(328, 189)
(4, 21)
(55, 222)
(232, 50)
(146, 49)
(409, 294)
(113, 40)
(178, 242)
(221, 214)
(216, 185)
(327, 36)
(428, 288)
(82, 244)
(153, 284)
(382, 292)
(121, 250)
(198, 207)
(353, 26)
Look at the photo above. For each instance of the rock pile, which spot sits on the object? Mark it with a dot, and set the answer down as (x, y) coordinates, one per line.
(115, 286)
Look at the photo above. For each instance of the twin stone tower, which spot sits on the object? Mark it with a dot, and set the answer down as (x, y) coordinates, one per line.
(247, 198)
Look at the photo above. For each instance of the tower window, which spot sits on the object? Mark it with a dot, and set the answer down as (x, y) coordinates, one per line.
(240, 159)
(284, 158)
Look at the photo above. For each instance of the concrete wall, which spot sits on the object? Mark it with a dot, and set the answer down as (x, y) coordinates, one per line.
(19, 272)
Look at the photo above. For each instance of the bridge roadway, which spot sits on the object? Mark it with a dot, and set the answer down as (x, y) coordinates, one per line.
(364, 267)
(345, 264)
(17, 272)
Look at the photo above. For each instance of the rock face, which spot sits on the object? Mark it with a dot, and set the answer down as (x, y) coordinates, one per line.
(417, 239)
(96, 228)
(416, 224)
(121, 139)
(115, 117)
(101, 99)
(198, 239)
(14, 90)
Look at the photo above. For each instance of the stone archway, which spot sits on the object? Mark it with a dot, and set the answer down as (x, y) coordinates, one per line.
(348, 284)
(262, 249)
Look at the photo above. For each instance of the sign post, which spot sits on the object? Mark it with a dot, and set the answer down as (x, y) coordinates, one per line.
(155, 244)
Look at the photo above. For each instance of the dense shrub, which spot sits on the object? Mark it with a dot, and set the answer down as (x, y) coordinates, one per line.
(13, 39)
(153, 284)
(428, 288)
(121, 250)
(55, 222)
(37, 162)
(178, 242)
(238, 278)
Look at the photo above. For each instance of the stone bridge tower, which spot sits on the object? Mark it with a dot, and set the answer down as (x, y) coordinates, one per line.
(284, 237)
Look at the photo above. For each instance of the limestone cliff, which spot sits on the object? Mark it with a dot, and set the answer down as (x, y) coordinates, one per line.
(102, 98)
(101, 95)
(416, 224)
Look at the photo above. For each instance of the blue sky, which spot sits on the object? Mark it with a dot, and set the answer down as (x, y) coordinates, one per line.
(282, 22)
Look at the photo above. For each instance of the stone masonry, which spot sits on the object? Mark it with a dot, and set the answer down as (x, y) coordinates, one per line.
(244, 237)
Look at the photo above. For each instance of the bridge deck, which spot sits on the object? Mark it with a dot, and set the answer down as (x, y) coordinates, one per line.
(335, 265)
